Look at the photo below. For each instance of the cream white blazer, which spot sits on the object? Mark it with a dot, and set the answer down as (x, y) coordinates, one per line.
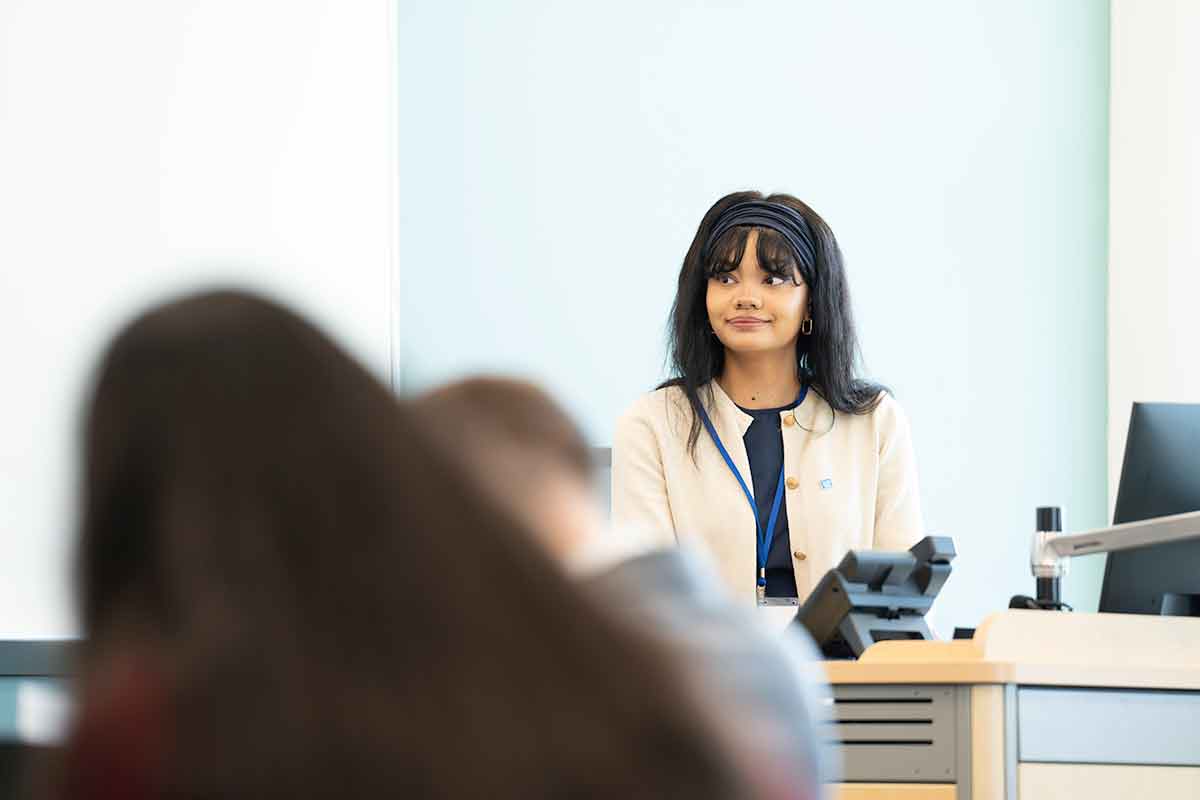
(851, 484)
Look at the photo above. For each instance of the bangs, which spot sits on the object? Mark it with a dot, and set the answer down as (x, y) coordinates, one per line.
(774, 254)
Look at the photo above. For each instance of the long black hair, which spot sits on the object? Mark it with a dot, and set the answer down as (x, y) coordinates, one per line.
(697, 357)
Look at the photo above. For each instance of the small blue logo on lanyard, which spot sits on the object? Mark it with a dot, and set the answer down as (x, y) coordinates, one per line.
(765, 536)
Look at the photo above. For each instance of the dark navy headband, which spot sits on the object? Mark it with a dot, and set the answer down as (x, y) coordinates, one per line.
(784, 220)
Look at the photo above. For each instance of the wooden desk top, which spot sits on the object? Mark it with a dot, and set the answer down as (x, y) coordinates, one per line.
(1045, 648)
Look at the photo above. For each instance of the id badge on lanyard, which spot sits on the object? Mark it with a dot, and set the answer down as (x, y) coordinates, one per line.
(764, 536)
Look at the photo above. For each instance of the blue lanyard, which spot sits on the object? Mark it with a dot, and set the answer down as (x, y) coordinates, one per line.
(765, 537)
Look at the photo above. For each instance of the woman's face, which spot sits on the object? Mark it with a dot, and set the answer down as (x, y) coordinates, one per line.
(752, 310)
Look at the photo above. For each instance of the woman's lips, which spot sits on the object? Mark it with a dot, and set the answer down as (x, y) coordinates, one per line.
(747, 323)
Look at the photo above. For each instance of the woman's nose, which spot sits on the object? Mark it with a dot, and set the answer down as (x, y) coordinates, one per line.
(748, 301)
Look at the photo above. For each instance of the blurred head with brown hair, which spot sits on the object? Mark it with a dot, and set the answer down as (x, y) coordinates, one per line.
(288, 590)
(525, 450)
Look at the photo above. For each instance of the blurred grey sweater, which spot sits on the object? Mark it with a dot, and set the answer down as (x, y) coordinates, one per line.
(767, 685)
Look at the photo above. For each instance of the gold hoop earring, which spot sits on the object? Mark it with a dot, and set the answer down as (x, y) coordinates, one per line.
(806, 327)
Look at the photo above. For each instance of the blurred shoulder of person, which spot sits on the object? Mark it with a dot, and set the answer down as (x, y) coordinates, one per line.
(529, 454)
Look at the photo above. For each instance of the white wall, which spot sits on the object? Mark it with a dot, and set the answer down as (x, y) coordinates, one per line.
(1154, 223)
(149, 146)
(556, 159)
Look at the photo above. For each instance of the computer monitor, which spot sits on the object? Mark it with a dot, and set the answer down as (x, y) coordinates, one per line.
(1160, 476)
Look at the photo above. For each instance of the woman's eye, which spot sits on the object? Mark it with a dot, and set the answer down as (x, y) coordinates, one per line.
(774, 280)
(725, 279)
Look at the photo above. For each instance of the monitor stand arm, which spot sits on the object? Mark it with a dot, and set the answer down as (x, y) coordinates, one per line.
(1047, 566)
(1051, 552)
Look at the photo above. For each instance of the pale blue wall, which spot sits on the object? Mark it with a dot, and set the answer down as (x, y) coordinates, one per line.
(556, 159)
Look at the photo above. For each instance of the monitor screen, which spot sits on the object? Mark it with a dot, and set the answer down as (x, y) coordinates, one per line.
(1159, 477)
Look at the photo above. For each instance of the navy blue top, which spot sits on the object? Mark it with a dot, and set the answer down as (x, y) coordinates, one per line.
(764, 447)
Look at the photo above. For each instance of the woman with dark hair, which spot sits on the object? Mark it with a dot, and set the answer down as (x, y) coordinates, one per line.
(288, 591)
(765, 446)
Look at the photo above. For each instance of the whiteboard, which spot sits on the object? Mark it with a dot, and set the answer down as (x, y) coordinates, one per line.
(149, 148)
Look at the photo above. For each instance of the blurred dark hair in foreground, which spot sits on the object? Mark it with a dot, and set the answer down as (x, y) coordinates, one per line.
(288, 590)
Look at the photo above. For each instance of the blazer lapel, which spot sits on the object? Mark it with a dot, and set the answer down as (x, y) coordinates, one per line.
(814, 415)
